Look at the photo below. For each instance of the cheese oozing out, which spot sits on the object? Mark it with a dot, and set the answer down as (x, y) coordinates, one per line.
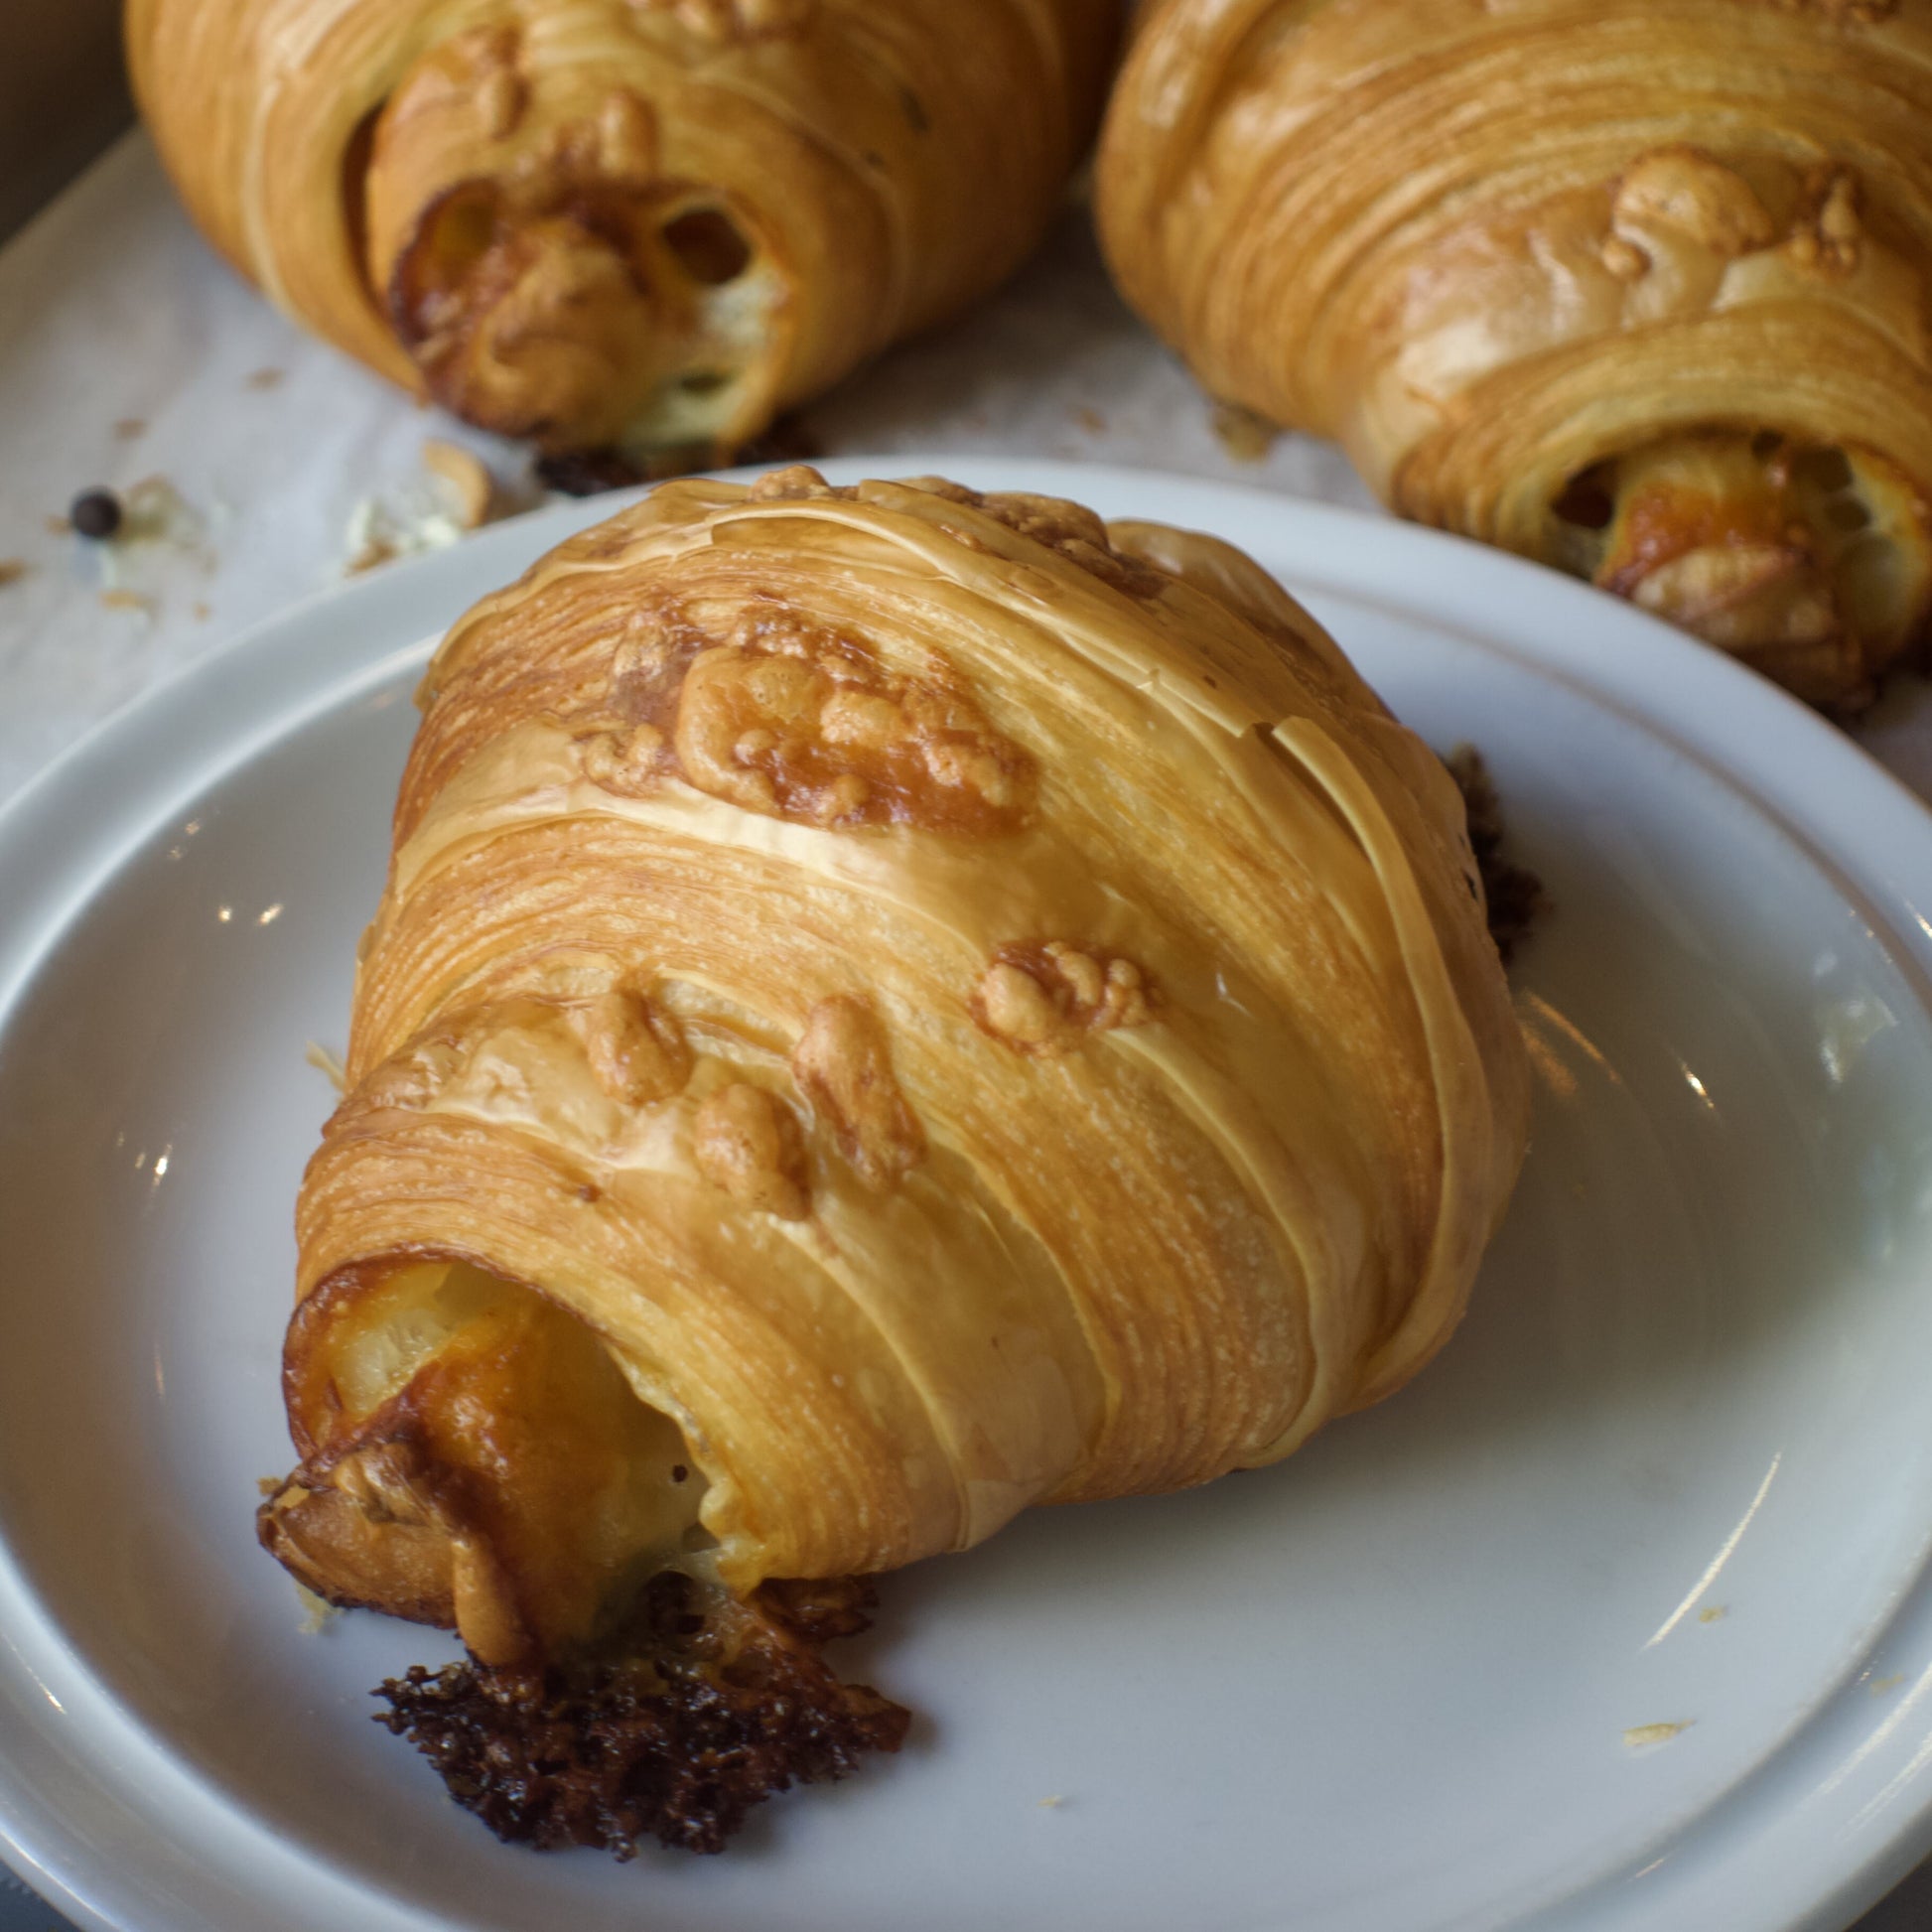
(480, 1459)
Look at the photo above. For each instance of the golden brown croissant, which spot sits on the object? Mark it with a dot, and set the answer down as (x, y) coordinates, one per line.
(1642, 292)
(645, 224)
(891, 1005)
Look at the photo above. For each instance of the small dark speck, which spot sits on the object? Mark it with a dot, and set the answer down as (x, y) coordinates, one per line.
(679, 1472)
(915, 113)
(1212, 683)
(873, 159)
(95, 514)
(590, 1192)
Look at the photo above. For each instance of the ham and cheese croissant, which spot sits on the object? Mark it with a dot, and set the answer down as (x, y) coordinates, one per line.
(1643, 293)
(643, 225)
(891, 1005)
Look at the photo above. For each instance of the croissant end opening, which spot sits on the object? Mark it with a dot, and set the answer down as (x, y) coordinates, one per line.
(1812, 562)
(709, 245)
(475, 1456)
(476, 1459)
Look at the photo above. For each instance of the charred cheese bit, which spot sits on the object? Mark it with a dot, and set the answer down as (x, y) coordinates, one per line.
(792, 724)
(1044, 999)
(636, 1057)
(746, 1142)
(843, 1065)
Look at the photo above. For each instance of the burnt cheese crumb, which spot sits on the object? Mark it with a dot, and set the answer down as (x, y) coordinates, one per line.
(1513, 895)
(677, 1734)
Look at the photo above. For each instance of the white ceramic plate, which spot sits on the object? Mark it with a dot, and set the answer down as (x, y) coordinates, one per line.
(1675, 1470)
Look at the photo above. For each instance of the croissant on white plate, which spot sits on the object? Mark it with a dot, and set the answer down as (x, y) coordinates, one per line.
(638, 226)
(1642, 292)
(891, 1005)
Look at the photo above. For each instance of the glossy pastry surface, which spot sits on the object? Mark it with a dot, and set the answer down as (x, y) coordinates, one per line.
(1643, 294)
(891, 1005)
(642, 225)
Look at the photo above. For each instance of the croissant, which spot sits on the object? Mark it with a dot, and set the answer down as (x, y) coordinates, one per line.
(643, 225)
(891, 1005)
(1644, 293)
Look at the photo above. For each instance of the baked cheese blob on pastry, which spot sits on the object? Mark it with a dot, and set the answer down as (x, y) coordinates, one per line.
(643, 226)
(1643, 293)
(891, 1007)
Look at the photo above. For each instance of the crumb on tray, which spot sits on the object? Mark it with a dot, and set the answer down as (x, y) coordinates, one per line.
(455, 494)
(1640, 1736)
(1246, 437)
(316, 1610)
(472, 489)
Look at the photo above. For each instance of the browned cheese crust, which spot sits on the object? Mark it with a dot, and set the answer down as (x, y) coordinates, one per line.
(676, 1741)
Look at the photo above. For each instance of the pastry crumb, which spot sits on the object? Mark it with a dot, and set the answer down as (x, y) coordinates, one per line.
(267, 1486)
(127, 601)
(318, 1611)
(365, 549)
(129, 427)
(266, 378)
(1090, 419)
(1246, 437)
(1716, 1614)
(12, 570)
(59, 526)
(1639, 1736)
(152, 510)
(426, 514)
(471, 487)
(1053, 1803)
(329, 1064)
(1880, 1684)
(202, 613)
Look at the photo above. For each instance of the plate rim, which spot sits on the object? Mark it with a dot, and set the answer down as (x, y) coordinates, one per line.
(207, 719)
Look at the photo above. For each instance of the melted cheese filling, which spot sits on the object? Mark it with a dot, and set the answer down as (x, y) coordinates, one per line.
(1813, 563)
(489, 1465)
